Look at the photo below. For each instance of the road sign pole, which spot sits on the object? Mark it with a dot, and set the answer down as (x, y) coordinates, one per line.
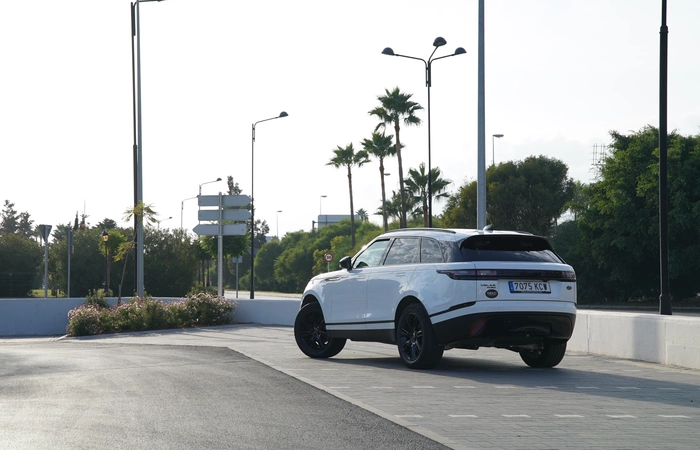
(220, 263)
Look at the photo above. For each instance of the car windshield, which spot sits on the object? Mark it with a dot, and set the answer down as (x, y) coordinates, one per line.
(508, 248)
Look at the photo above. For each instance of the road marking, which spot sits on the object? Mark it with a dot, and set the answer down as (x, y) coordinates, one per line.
(423, 387)
(327, 370)
(465, 387)
(515, 415)
(364, 369)
(505, 386)
(568, 416)
(546, 387)
(631, 370)
(586, 387)
(627, 387)
(459, 416)
(678, 416)
(670, 389)
(621, 416)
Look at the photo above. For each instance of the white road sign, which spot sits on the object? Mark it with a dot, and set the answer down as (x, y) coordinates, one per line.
(226, 200)
(227, 214)
(236, 229)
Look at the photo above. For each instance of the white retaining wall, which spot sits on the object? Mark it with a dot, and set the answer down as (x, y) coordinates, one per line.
(673, 340)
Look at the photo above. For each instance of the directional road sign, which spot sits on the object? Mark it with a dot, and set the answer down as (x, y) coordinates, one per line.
(236, 229)
(226, 200)
(226, 214)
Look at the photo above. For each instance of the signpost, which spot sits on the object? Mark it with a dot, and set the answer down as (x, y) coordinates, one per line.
(219, 228)
(328, 257)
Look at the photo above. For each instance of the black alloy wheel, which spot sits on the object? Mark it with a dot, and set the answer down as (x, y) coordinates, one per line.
(549, 355)
(311, 334)
(417, 344)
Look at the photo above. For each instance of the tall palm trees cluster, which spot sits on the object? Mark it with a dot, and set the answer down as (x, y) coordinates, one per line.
(395, 108)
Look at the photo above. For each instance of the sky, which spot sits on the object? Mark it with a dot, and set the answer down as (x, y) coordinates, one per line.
(560, 75)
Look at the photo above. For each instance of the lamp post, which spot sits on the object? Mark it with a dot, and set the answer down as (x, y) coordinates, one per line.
(438, 42)
(320, 204)
(137, 148)
(278, 224)
(105, 238)
(207, 182)
(252, 207)
(159, 221)
(493, 148)
(182, 208)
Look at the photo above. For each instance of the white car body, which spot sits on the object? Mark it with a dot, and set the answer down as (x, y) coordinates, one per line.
(469, 301)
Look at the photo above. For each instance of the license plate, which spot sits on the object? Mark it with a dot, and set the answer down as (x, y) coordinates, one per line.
(529, 287)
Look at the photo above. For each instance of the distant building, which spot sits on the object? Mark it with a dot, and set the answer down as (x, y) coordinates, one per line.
(330, 219)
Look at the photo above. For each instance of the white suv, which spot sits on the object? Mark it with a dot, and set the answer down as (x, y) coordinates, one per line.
(430, 290)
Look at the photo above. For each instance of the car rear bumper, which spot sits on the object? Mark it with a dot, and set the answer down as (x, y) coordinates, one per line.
(504, 328)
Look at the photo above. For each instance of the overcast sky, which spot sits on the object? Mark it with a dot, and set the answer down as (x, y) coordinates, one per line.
(559, 76)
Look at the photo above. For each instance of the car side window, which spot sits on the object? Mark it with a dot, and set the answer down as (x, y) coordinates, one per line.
(430, 251)
(371, 255)
(404, 251)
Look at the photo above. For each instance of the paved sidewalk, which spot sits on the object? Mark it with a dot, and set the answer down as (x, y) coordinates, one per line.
(483, 399)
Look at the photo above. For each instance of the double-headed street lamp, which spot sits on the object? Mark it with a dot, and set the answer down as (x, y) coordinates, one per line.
(493, 147)
(439, 42)
(252, 208)
(137, 148)
(182, 203)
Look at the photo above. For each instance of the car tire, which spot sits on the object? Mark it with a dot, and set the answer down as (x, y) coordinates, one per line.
(311, 334)
(416, 340)
(551, 354)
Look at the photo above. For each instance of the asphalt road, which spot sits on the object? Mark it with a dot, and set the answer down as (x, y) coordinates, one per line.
(95, 395)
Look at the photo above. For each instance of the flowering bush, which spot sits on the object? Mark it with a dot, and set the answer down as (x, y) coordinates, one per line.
(140, 314)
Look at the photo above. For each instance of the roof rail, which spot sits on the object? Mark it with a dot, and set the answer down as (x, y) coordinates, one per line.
(442, 230)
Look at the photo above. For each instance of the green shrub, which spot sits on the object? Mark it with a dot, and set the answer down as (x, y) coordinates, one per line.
(96, 298)
(141, 314)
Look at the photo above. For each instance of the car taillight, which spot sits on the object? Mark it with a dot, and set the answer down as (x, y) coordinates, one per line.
(460, 274)
(491, 274)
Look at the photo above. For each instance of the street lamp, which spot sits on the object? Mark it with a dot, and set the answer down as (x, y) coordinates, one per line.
(159, 221)
(137, 148)
(320, 204)
(105, 238)
(438, 42)
(182, 208)
(207, 182)
(252, 208)
(278, 224)
(493, 148)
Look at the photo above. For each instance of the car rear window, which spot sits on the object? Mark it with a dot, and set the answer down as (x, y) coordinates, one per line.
(508, 248)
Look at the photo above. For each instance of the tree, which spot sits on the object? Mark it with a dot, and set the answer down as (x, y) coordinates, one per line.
(417, 186)
(20, 263)
(148, 215)
(616, 255)
(380, 146)
(527, 195)
(393, 206)
(10, 219)
(346, 157)
(362, 215)
(172, 262)
(397, 107)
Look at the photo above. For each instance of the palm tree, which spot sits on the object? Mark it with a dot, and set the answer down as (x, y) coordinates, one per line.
(362, 215)
(397, 107)
(393, 206)
(417, 186)
(348, 158)
(380, 146)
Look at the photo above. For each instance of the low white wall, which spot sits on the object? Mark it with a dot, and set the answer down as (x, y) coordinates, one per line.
(673, 340)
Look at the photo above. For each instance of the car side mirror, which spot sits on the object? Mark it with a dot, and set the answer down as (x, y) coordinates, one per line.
(345, 263)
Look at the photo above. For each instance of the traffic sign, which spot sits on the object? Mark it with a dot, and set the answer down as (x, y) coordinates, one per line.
(235, 229)
(328, 257)
(226, 214)
(45, 232)
(226, 200)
